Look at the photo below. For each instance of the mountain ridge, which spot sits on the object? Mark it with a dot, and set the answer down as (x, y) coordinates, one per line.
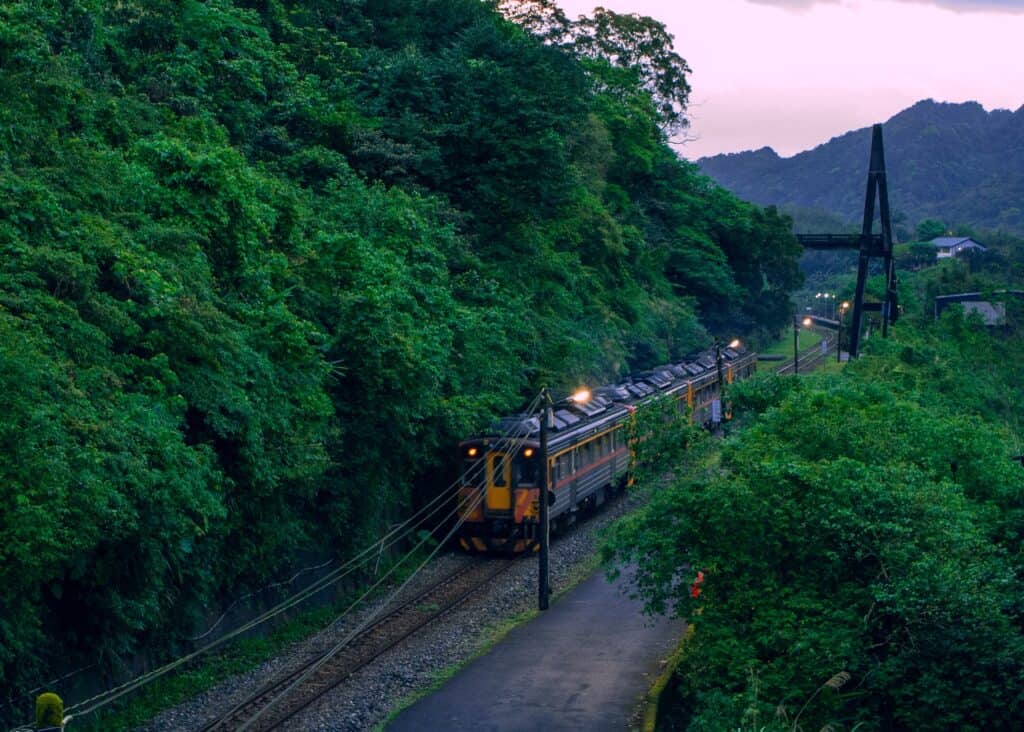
(955, 162)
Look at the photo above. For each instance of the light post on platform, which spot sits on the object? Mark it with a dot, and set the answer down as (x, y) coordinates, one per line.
(796, 341)
(719, 410)
(839, 339)
(546, 497)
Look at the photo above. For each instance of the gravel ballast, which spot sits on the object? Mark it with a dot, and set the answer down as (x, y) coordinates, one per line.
(367, 698)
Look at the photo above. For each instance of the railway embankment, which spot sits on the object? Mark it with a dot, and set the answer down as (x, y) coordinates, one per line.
(413, 668)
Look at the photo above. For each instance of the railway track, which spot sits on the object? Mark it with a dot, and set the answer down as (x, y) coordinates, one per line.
(811, 358)
(277, 702)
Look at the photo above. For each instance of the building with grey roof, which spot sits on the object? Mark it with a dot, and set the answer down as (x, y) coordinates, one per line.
(953, 246)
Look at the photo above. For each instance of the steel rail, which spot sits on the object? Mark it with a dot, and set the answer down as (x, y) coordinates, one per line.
(394, 627)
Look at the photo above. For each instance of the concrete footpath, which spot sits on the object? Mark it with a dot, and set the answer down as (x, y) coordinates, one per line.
(583, 665)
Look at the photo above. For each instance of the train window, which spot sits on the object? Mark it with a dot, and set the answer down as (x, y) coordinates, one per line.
(526, 472)
(566, 465)
(498, 468)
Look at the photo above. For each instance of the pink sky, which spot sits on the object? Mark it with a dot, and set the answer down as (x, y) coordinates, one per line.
(791, 74)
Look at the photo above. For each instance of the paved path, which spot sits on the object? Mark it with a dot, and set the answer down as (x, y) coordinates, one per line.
(582, 665)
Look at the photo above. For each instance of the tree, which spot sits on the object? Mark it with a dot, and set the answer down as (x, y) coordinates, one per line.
(542, 18)
(915, 255)
(866, 525)
(643, 45)
(930, 229)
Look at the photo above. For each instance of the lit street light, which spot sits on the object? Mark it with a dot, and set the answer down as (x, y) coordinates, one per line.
(807, 322)
(717, 405)
(545, 499)
(839, 339)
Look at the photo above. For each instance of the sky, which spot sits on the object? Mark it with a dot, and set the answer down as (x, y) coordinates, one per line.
(792, 74)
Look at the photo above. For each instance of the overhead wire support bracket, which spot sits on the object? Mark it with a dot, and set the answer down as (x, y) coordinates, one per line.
(868, 244)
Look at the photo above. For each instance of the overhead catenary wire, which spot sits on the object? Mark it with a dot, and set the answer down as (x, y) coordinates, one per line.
(390, 538)
(112, 695)
(92, 704)
(362, 625)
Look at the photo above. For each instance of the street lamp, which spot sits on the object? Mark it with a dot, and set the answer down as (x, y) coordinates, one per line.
(546, 496)
(839, 340)
(807, 322)
(717, 405)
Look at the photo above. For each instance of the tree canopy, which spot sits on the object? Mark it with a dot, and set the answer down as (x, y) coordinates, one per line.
(860, 543)
(264, 263)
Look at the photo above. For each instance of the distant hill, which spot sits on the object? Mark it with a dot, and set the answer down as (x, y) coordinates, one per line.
(953, 162)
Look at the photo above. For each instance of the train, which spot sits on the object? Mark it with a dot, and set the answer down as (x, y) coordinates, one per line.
(589, 451)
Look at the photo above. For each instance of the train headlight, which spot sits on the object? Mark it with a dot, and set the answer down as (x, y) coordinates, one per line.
(528, 452)
(472, 451)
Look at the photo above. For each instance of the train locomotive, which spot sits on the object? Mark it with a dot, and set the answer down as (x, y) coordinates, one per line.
(588, 451)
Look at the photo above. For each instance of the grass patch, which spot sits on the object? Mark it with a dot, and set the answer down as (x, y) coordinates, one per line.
(784, 346)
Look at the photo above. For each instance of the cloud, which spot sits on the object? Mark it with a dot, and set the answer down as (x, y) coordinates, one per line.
(959, 6)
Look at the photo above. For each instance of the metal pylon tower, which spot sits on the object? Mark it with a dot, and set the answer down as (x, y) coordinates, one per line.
(868, 244)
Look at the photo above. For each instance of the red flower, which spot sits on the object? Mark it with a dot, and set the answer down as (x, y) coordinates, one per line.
(695, 587)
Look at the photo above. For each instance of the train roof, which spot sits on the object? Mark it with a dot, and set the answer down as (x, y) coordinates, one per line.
(613, 402)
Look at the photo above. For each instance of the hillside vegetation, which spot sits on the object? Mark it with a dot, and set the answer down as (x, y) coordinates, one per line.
(861, 539)
(952, 162)
(264, 263)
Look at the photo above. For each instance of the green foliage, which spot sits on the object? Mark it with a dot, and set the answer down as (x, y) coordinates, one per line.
(643, 45)
(929, 229)
(915, 255)
(264, 263)
(867, 522)
(663, 434)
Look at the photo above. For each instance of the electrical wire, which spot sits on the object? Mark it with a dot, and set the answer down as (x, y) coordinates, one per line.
(390, 538)
(360, 626)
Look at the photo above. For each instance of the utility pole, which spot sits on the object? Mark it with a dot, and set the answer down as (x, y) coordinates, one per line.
(721, 387)
(869, 245)
(807, 322)
(543, 569)
(796, 346)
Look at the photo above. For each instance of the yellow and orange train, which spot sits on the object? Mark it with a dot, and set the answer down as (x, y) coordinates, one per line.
(588, 451)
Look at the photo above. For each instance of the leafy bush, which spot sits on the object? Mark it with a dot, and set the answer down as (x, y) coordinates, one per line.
(868, 523)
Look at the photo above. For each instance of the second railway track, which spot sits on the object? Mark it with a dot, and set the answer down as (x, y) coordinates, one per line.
(280, 700)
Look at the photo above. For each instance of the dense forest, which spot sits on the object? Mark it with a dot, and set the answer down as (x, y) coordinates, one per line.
(859, 537)
(952, 162)
(265, 262)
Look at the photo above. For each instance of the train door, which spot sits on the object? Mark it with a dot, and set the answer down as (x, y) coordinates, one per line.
(499, 482)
